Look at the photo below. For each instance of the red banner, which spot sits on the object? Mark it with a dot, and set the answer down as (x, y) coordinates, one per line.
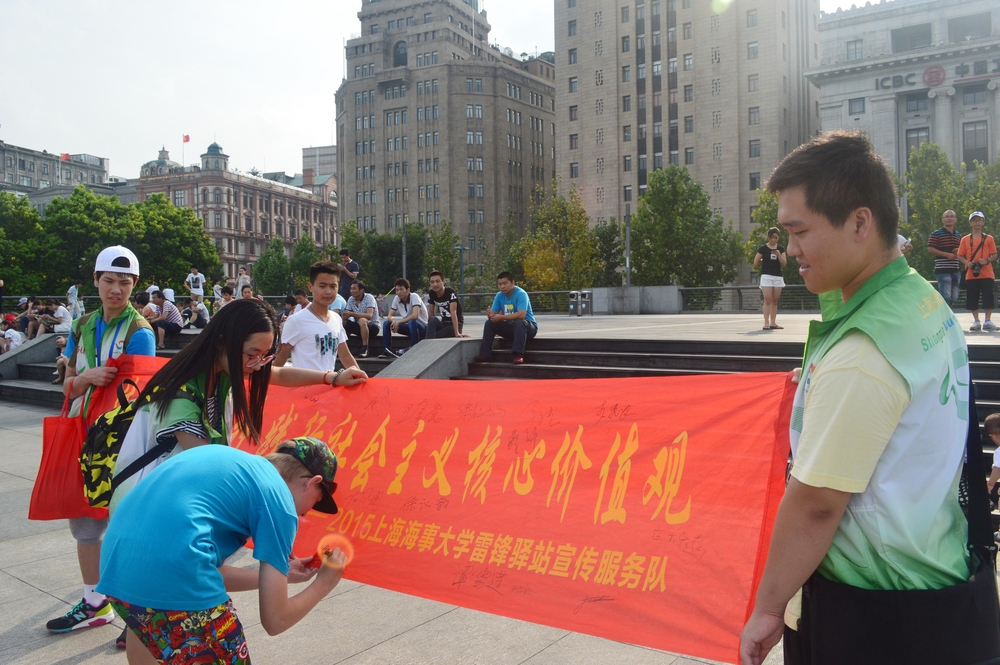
(633, 509)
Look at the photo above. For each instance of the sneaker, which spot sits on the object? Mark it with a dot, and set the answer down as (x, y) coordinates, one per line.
(482, 359)
(976, 327)
(387, 353)
(518, 360)
(989, 326)
(83, 615)
(364, 353)
(120, 642)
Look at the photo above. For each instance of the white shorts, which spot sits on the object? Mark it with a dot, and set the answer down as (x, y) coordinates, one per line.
(772, 281)
(62, 328)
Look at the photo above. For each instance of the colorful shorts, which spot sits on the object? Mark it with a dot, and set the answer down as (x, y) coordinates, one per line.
(180, 638)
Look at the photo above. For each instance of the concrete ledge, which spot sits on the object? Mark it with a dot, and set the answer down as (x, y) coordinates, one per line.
(434, 359)
(39, 350)
(638, 300)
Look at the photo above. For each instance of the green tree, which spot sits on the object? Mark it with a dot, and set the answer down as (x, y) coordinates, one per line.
(352, 239)
(273, 272)
(382, 262)
(933, 185)
(304, 254)
(21, 243)
(766, 217)
(561, 223)
(544, 263)
(611, 248)
(441, 254)
(503, 254)
(675, 237)
(170, 241)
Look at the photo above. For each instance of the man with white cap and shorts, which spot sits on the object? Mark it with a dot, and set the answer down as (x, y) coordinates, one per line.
(106, 333)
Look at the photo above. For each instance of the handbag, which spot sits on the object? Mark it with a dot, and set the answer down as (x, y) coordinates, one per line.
(58, 491)
(959, 625)
(140, 369)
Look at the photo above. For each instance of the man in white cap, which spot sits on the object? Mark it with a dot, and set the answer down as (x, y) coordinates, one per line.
(106, 333)
(977, 252)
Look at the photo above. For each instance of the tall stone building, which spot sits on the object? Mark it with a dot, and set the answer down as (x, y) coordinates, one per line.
(645, 83)
(435, 124)
(29, 171)
(242, 213)
(911, 71)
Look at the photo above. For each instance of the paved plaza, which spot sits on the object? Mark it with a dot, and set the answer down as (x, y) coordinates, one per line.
(357, 623)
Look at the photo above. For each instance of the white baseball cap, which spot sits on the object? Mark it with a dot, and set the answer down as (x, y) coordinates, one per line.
(977, 214)
(117, 259)
(22, 301)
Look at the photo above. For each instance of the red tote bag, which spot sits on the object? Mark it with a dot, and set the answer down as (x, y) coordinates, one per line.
(58, 491)
(138, 368)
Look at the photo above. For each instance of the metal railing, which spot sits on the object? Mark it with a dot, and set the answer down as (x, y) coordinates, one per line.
(794, 298)
(541, 302)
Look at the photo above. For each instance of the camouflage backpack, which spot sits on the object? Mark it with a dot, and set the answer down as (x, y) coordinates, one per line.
(104, 442)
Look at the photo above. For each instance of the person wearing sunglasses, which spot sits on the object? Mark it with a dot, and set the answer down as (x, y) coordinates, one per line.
(214, 386)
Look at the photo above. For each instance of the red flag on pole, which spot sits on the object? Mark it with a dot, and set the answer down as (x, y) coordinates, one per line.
(64, 157)
(187, 138)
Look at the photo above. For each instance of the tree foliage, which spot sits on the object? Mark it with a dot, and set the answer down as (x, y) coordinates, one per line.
(675, 237)
(560, 250)
(611, 249)
(764, 218)
(45, 255)
(273, 271)
(304, 254)
(441, 253)
(933, 185)
(503, 254)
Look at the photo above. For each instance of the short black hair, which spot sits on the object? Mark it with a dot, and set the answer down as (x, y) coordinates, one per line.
(301, 292)
(361, 285)
(402, 281)
(841, 172)
(227, 290)
(245, 287)
(290, 300)
(194, 267)
(505, 275)
(79, 281)
(344, 251)
(437, 273)
(158, 294)
(191, 301)
(142, 298)
(322, 268)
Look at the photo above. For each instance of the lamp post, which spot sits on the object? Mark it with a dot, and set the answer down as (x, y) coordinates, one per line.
(461, 249)
(628, 250)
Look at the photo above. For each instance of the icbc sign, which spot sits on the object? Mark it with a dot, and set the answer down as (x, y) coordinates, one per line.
(934, 76)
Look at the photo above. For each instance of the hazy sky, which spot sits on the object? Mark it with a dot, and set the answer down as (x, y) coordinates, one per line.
(120, 78)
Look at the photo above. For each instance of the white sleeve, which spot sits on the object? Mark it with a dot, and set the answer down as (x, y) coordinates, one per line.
(395, 304)
(996, 458)
(290, 333)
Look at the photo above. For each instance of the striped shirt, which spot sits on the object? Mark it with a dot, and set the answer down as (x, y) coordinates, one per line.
(944, 241)
(173, 315)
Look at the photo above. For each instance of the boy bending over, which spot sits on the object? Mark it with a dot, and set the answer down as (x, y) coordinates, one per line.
(164, 549)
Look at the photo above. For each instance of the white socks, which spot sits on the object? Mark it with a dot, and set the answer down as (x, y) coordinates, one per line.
(92, 598)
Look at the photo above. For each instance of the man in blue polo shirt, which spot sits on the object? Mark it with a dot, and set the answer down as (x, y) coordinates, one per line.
(509, 317)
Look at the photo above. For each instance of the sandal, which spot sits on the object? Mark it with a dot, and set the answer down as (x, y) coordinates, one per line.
(776, 328)
(767, 327)
(120, 642)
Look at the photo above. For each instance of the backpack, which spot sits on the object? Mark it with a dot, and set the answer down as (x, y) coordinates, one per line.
(104, 442)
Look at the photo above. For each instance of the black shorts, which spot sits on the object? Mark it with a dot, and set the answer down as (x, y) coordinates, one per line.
(974, 288)
(354, 328)
(169, 326)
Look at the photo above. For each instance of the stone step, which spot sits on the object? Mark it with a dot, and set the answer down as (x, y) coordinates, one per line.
(41, 393)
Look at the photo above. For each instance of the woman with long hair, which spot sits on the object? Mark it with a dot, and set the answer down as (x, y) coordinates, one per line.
(213, 386)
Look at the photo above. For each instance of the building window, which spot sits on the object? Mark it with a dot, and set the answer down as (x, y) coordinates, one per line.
(689, 93)
(916, 102)
(572, 56)
(641, 71)
(856, 49)
(754, 182)
(856, 106)
(975, 144)
(755, 147)
(689, 155)
(627, 194)
(975, 94)
(687, 31)
(179, 199)
(571, 29)
(688, 62)
(574, 141)
(627, 133)
(752, 18)
(624, 14)
(688, 124)
(626, 74)
(626, 43)
(754, 115)
(574, 84)
(574, 112)
(753, 83)
(752, 51)
(627, 163)
(914, 137)
(574, 170)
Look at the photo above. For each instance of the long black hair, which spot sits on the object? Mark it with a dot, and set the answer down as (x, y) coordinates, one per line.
(224, 334)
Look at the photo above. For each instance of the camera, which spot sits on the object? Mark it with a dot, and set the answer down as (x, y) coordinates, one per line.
(975, 269)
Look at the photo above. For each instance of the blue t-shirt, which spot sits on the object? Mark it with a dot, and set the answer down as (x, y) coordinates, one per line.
(518, 301)
(171, 533)
(142, 342)
(339, 304)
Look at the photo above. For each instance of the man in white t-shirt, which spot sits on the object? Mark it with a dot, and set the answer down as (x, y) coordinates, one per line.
(75, 305)
(301, 300)
(195, 283)
(55, 319)
(315, 336)
(413, 318)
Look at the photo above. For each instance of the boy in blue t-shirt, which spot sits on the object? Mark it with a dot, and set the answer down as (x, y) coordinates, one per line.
(510, 317)
(162, 564)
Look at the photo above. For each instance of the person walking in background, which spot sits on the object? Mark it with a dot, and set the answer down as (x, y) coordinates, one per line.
(771, 258)
(977, 252)
(349, 270)
(195, 283)
(73, 302)
(943, 245)
(241, 281)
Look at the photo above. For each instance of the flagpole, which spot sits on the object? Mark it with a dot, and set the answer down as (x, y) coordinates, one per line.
(182, 151)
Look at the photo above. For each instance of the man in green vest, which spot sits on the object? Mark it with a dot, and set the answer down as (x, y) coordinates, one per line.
(880, 415)
(107, 333)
